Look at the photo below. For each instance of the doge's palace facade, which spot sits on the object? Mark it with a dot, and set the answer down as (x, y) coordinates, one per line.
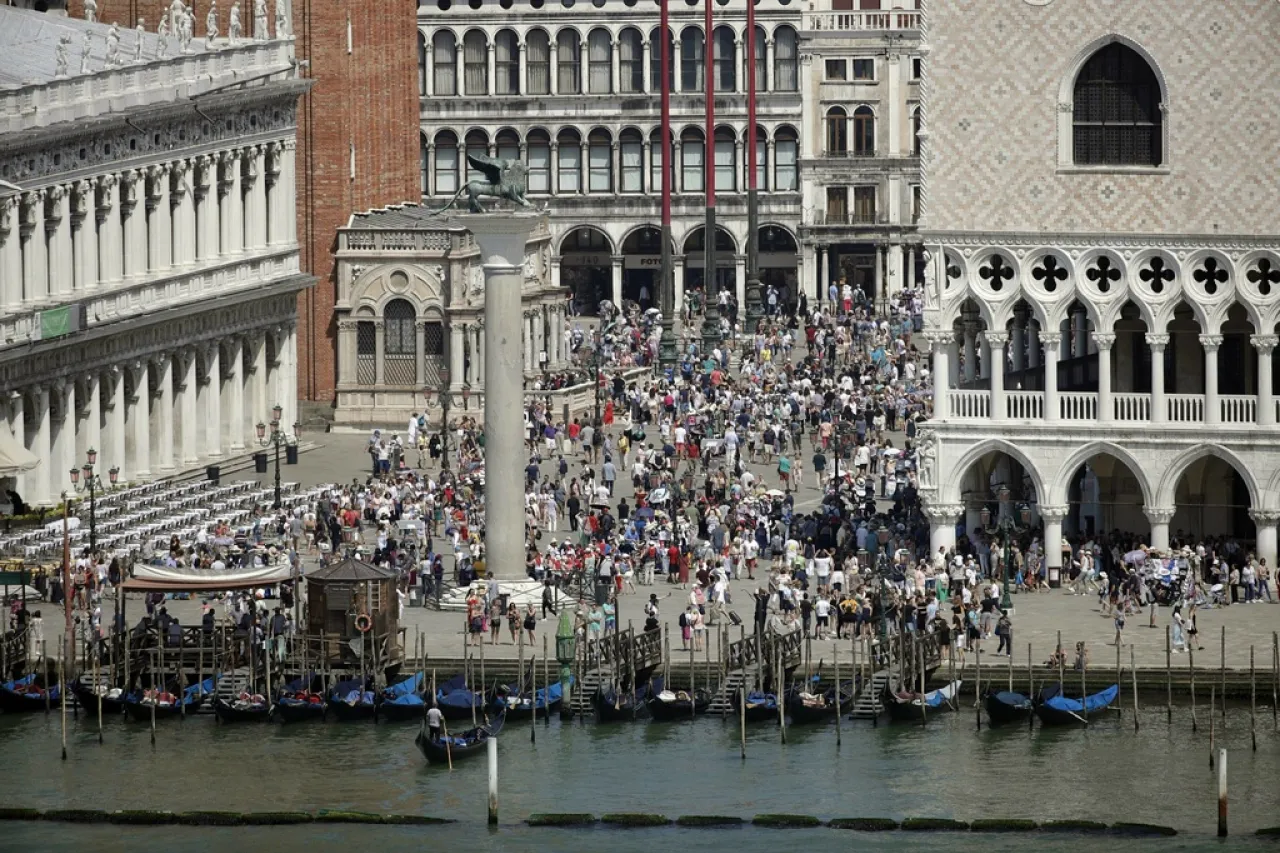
(148, 253)
(1099, 210)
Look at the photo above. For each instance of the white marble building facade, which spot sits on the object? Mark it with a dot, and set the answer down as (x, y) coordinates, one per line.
(411, 316)
(1104, 275)
(148, 255)
(574, 89)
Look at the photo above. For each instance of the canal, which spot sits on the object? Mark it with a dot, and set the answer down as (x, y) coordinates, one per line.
(1107, 772)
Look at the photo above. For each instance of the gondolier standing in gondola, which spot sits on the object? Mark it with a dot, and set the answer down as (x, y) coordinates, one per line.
(435, 724)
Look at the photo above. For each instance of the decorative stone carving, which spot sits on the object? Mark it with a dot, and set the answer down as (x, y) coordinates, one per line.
(60, 57)
(943, 513)
(260, 30)
(233, 28)
(1156, 515)
(1053, 514)
(1104, 340)
(926, 457)
(91, 11)
(1210, 342)
(113, 46)
(1155, 341)
(211, 25)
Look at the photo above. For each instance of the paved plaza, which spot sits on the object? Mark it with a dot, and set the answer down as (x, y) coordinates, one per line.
(1038, 617)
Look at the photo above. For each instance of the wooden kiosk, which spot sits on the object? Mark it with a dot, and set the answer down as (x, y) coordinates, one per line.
(353, 607)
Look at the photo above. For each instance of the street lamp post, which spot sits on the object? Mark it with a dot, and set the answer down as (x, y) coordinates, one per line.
(595, 376)
(92, 483)
(446, 400)
(277, 439)
(1008, 528)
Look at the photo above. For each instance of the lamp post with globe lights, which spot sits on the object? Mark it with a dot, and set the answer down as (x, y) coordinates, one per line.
(1008, 528)
(91, 482)
(277, 439)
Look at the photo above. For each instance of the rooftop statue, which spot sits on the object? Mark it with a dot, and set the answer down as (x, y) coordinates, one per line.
(505, 178)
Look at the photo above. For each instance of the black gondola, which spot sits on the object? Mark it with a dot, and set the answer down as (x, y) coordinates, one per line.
(300, 700)
(761, 707)
(402, 701)
(665, 705)
(612, 707)
(458, 746)
(245, 709)
(520, 706)
(1004, 707)
(906, 707)
(1054, 709)
(112, 699)
(458, 702)
(28, 694)
(349, 702)
(804, 708)
(138, 705)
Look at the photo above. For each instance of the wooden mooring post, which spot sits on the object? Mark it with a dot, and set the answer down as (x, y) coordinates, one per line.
(1253, 703)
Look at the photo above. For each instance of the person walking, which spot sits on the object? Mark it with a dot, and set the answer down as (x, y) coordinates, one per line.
(1004, 630)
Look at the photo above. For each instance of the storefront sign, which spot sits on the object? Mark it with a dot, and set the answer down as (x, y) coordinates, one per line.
(773, 260)
(644, 262)
(584, 259)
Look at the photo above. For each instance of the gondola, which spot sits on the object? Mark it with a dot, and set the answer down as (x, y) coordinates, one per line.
(28, 694)
(1057, 710)
(458, 702)
(300, 700)
(547, 700)
(804, 707)
(349, 702)
(245, 708)
(1005, 707)
(761, 707)
(623, 707)
(665, 705)
(403, 700)
(906, 707)
(455, 747)
(138, 704)
(87, 696)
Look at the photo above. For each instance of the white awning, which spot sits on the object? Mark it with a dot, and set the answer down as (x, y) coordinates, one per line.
(14, 458)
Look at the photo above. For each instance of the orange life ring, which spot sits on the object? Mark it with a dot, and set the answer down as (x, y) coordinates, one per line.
(363, 623)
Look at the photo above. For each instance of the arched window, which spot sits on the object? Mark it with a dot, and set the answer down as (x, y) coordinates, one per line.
(422, 64)
(477, 146)
(786, 59)
(915, 132)
(1116, 117)
(726, 151)
(508, 144)
(631, 61)
(658, 156)
(568, 62)
(692, 59)
(726, 60)
(475, 63)
(446, 163)
(425, 188)
(864, 132)
(538, 57)
(655, 59)
(786, 155)
(837, 132)
(762, 49)
(631, 152)
(506, 63)
(692, 155)
(399, 343)
(600, 62)
(538, 152)
(569, 175)
(600, 162)
(444, 63)
(366, 353)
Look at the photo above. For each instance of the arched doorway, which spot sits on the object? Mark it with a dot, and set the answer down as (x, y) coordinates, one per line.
(695, 263)
(642, 266)
(1001, 497)
(777, 255)
(1211, 499)
(585, 267)
(1106, 495)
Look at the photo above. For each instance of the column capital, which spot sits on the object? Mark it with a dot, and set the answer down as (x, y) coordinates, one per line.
(1264, 343)
(1265, 516)
(1157, 341)
(8, 205)
(939, 337)
(1159, 515)
(996, 339)
(942, 513)
(84, 198)
(1051, 339)
(1211, 342)
(1053, 514)
(1104, 340)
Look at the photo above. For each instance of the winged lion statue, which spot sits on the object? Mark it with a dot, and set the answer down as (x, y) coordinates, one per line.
(504, 178)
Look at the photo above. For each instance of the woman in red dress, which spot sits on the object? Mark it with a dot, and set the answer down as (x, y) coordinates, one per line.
(608, 413)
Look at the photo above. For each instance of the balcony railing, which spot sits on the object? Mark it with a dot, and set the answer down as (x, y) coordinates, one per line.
(1233, 410)
(822, 217)
(861, 20)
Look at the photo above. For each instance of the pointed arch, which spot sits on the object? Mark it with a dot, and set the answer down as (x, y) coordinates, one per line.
(1169, 484)
(1061, 484)
(954, 478)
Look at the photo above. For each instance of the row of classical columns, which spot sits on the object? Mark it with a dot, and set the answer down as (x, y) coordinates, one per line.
(647, 84)
(951, 368)
(895, 267)
(156, 416)
(64, 240)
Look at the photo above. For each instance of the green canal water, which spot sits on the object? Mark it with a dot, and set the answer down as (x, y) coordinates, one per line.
(1106, 772)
